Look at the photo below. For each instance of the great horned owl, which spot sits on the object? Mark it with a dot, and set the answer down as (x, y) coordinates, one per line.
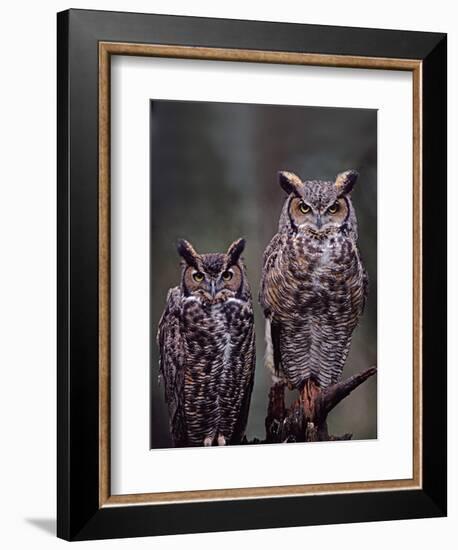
(206, 342)
(314, 284)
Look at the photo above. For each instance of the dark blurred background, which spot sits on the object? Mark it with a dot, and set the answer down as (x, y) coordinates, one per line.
(214, 178)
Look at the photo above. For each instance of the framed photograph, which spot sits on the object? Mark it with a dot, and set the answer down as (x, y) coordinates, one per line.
(252, 274)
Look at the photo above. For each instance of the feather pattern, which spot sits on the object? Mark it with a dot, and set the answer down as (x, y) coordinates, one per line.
(313, 287)
(207, 360)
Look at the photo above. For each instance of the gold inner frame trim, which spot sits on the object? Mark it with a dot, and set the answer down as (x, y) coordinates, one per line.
(106, 50)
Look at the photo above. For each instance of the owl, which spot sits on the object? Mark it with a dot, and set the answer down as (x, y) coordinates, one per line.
(314, 284)
(206, 341)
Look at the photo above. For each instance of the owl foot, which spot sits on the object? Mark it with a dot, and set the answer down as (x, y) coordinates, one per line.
(310, 395)
(208, 441)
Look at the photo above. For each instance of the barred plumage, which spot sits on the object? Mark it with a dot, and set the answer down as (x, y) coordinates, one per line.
(314, 284)
(206, 341)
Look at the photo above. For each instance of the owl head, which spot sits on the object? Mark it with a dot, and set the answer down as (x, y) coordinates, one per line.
(318, 207)
(213, 278)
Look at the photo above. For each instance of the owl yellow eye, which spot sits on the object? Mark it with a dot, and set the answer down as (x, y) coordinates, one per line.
(334, 208)
(198, 276)
(227, 275)
(304, 208)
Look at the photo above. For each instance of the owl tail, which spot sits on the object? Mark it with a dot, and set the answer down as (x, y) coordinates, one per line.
(269, 353)
(269, 356)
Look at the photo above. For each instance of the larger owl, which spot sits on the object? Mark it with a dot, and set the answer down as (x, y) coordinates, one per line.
(206, 342)
(314, 284)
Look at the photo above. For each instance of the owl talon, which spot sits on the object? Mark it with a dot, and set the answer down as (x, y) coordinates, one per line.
(208, 441)
(221, 440)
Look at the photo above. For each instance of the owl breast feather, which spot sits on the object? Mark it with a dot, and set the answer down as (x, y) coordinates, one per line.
(315, 291)
(219, 344)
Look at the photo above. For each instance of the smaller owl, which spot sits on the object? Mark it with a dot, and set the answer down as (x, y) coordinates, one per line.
(206, 343)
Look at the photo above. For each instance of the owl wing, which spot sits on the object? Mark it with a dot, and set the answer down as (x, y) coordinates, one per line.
(269, 257)
(172, 364)
(248, 355)
(275, 339)
(273, 327)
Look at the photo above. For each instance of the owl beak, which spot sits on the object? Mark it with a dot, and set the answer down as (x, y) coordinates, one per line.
(213, 289)
(319, 222)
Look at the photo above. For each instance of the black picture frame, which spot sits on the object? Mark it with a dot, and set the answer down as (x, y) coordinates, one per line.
(80, 516)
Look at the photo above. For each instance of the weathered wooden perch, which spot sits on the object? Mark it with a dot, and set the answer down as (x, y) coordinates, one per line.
(305, 420)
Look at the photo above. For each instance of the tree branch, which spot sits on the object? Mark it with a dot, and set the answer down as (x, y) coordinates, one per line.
(333, 395)
(306, 419)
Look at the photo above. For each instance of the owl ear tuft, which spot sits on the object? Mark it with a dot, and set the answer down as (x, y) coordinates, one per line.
(290, 182)
(187, 252)
(235, 251)
(345, 181)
